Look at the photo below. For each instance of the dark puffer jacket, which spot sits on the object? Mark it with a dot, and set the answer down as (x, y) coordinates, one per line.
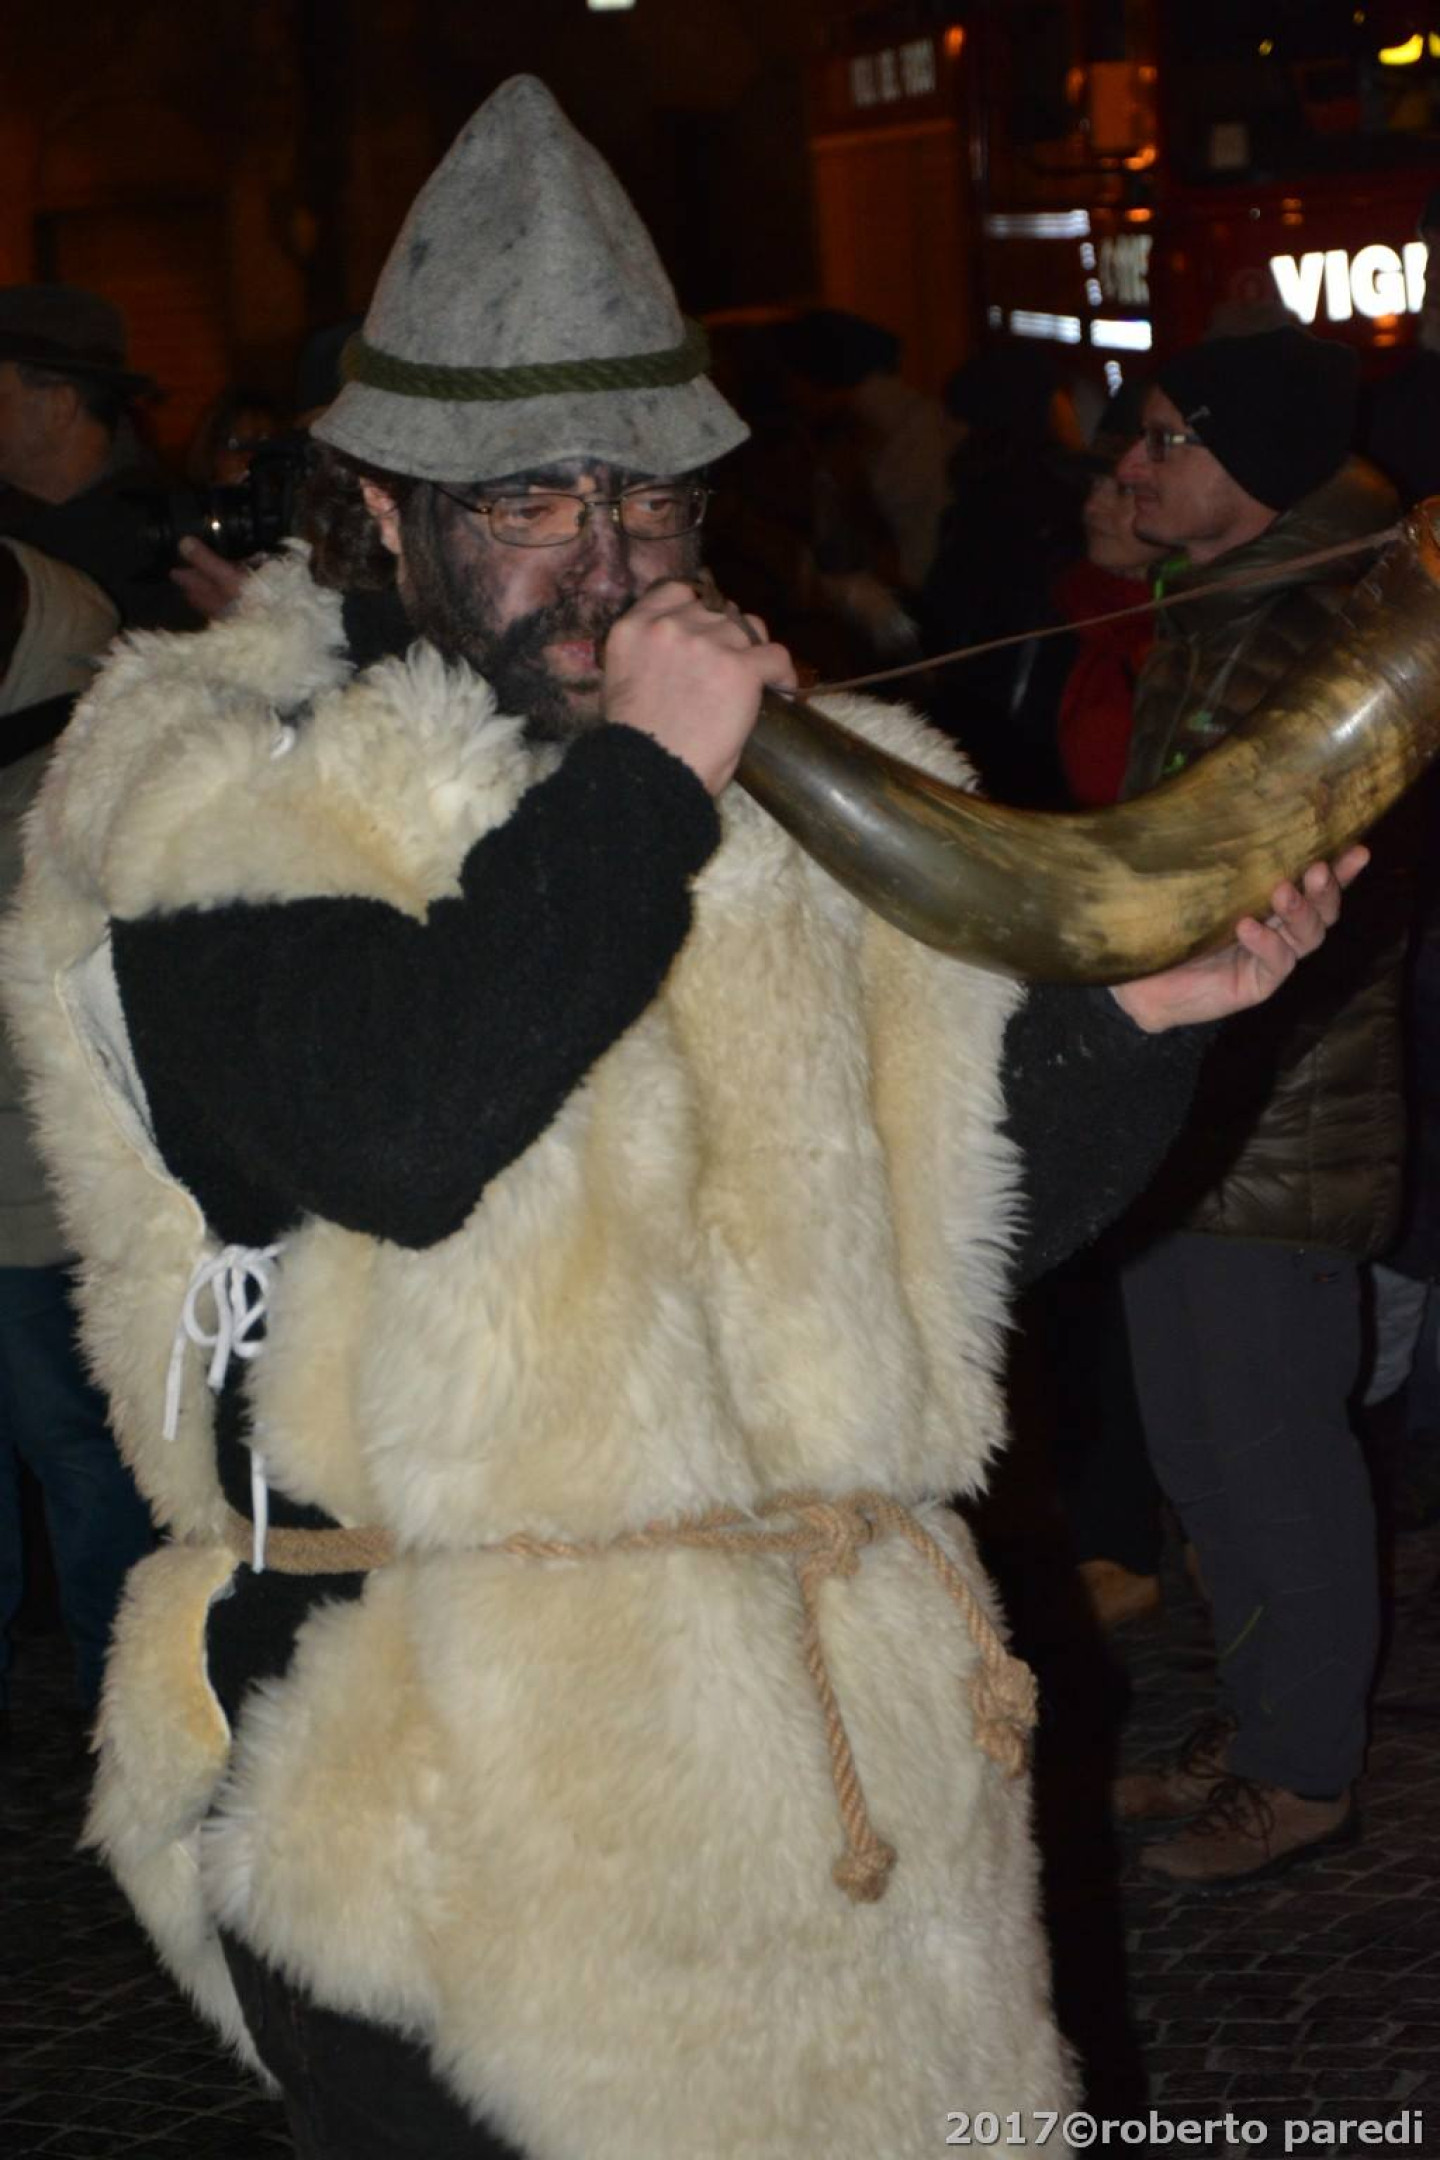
(1297, 1133)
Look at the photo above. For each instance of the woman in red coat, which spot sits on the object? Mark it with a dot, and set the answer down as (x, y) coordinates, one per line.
(1093, 726)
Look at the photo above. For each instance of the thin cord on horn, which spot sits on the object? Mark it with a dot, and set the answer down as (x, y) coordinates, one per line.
(1236, 582)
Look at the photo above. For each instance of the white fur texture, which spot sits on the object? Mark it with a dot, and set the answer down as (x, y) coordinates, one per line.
(573, 1824)
(163, 1744)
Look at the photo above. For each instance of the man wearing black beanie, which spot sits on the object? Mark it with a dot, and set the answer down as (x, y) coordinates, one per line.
(1243, 1297)
(1276, 412)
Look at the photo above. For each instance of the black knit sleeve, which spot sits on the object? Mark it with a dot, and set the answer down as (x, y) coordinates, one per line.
(340, 1059)
(1094, 1104)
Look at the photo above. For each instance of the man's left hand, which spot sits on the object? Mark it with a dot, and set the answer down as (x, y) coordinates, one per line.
(210, 583)
(1263, 956)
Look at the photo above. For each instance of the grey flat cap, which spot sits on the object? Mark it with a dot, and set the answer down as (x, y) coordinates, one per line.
(523, 318)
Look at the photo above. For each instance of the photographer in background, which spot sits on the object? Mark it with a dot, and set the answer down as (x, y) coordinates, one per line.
(233, 426)
(73, 471)
(52, 1421)
(212, 577)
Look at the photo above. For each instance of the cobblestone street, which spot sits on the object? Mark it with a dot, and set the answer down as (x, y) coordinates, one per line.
(1314, 1997)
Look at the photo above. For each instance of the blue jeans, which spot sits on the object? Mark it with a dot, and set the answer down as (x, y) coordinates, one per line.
(53, 1421)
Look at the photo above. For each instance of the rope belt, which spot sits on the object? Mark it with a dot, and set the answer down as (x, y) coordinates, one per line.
(823, 1538)
(311, 1552)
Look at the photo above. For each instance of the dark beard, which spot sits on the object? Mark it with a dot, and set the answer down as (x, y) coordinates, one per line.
(447, 602)
(513, 663)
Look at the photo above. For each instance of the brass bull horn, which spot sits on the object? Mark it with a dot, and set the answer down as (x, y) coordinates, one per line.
(1107, 895)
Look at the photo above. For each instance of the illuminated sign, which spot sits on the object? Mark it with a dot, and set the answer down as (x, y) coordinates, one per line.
(1375, 281)
(1122, 336)
(900, 71)
(1038, 224)
(1125, 269)
(1036, 323)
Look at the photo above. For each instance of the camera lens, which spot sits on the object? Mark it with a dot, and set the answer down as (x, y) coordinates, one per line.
(237, 522)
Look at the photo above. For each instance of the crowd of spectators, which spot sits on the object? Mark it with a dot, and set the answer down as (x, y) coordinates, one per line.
(1224, 1335)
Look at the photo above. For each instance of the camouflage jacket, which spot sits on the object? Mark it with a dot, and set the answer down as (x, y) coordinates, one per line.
(1297, 1132)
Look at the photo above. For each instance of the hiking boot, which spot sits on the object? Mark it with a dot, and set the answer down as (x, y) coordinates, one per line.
(1174, 1790)
(1247, 1831)
(1116, 1595)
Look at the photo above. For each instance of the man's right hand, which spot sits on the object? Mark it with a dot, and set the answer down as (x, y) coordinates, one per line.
(678, 670)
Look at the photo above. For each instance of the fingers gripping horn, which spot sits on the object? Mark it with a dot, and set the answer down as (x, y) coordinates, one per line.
(1108, 895)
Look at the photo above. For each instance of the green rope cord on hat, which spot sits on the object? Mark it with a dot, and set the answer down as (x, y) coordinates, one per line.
(366, 363)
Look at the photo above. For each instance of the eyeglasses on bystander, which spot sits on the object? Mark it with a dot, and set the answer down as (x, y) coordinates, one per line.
(1160, 441)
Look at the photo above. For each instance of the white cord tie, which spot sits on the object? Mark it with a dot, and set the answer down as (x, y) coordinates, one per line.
(238, 1281)
(259, 1510)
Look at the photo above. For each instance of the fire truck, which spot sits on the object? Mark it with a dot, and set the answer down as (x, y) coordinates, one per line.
(1116, 178)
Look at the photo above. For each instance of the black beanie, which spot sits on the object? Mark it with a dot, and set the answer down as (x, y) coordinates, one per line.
(1277, 409)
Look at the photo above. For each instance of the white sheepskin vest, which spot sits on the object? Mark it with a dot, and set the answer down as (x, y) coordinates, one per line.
(570, 1823)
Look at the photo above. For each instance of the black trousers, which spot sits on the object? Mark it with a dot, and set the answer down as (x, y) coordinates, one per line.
(1245, 1354)
(353, 2090)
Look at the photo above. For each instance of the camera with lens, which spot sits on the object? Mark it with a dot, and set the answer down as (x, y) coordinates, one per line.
(251, 518)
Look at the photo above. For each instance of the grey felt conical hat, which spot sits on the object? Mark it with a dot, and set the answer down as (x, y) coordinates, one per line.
(523, 317)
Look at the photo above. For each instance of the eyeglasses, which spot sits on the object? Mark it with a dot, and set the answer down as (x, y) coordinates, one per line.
(539, 518)
(1159, 441)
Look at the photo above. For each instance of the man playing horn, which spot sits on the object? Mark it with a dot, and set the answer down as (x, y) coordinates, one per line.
(1243, 1304)
(548, 1250)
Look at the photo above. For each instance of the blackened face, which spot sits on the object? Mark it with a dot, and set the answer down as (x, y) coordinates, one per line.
(532, 621)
